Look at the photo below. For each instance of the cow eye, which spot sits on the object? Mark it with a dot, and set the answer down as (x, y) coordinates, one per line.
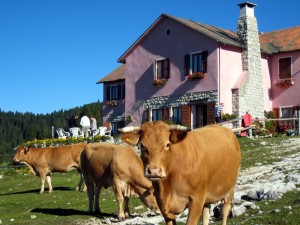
(22, 152)
(167, 146)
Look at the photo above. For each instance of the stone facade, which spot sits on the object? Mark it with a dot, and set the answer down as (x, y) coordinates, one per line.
(250, 95)
(175, 101)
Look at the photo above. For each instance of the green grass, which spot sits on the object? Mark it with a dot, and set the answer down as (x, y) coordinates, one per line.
(20, 202)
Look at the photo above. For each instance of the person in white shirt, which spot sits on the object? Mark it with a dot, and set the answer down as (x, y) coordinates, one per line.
(85, 124)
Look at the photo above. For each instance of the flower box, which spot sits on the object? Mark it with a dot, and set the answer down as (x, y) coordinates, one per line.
(283, 83)
(159, 82)
(111, 103)
(196, 76)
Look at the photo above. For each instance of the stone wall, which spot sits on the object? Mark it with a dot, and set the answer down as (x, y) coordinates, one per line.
(250, 95)
(176, 101)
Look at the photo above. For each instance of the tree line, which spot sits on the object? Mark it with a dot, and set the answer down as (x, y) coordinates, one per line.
(17, 128)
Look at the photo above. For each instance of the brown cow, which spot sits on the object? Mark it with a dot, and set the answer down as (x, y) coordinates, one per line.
(188, 169)
(43, 161)
(119, 166)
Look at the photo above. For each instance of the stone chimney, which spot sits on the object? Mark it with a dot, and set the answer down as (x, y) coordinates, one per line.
(251, 92)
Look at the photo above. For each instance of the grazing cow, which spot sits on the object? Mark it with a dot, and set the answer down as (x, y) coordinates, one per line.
(188, 169)
(119, 166)
(43, 161)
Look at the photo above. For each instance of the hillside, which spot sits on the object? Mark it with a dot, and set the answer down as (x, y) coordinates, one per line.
(16, 127)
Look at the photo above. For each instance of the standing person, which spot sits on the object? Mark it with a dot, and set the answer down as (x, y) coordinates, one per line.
(72, 121)
(93, 125)
(218, 112)
(85, 124)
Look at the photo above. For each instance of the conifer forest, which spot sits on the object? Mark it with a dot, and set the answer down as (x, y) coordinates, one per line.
(17, 128)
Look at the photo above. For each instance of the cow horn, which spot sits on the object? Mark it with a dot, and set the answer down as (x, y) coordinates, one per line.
(178, 127)
(129, 129)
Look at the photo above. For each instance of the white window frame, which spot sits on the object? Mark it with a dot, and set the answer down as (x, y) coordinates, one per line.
(191, 60)
(156, 68)
(285, 107)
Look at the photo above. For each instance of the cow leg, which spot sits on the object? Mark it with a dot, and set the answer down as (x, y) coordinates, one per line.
(42, 180)
(119, 195)
(96, 204)
(90, 193)
(126, 207)
(227, 206)
(81, 180)
(205, 214)
(195, 209)
(48, 179)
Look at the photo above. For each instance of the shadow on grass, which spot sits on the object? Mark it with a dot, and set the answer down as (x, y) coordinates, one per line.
(70, 212)
(38, 190)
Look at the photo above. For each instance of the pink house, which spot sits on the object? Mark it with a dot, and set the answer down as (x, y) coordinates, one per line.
(179, 69)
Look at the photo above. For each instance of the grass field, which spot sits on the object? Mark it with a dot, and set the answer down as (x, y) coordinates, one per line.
(20, 202)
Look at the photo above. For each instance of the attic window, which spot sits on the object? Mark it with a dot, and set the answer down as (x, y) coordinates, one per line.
(168, 32)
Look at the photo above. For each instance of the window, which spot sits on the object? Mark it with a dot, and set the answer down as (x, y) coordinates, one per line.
(115, 92)
(160, 114)
(286, 112)
(285, 68)
(145, 117)
(196, 62)
(177, 115)
(162, 69)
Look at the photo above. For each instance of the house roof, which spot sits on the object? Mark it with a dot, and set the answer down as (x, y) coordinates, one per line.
(117, 74)
(271, 43)
(219, 34)
(284, 40)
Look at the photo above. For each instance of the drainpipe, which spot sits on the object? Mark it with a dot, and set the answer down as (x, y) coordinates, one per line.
(219, 74)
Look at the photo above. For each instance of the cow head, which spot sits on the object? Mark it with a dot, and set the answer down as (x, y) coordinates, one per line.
(21, 154)
(156, 140)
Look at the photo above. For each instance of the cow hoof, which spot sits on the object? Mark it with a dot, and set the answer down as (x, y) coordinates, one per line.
(97, 212)
(41, 192)
(121, 218)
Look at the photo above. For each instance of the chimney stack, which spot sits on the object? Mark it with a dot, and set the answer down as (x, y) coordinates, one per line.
(251, 92)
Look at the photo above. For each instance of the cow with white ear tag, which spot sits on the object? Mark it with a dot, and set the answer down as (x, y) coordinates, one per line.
(188, 169)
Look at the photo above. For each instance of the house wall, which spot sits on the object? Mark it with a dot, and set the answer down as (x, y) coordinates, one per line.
(229, 75)
(287, 96)
(112, 113)
(181, 41)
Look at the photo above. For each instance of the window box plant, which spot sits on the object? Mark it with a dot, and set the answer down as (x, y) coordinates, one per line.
(283, 83)
(159, 82)
(196, 76)
(111, 103)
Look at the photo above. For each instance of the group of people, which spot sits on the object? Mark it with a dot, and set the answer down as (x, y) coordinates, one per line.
(87, 124)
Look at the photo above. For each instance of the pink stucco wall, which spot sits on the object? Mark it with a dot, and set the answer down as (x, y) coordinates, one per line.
(181, 41)
(288, 96)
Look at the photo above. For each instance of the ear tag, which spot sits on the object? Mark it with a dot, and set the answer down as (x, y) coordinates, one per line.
(128, 140)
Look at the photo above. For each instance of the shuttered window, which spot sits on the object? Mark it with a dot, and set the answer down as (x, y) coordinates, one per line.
(195, 62)
(115, 92)
(285, 68)
(162, 67)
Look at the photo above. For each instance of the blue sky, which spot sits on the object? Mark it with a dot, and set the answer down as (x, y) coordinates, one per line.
(52, 52)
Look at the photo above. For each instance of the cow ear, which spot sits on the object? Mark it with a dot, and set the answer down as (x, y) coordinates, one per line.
(177, 136)
(26, 149)
(130, 138)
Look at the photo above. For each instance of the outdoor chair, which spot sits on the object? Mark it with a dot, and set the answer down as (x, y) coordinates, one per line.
(62, 134)
(76, 132)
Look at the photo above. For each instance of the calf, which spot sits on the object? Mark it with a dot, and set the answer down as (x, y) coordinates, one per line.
(188, 169)
(119, 166)
(43, 161)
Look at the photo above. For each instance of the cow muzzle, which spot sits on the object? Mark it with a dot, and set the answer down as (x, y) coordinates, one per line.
(155, 173)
